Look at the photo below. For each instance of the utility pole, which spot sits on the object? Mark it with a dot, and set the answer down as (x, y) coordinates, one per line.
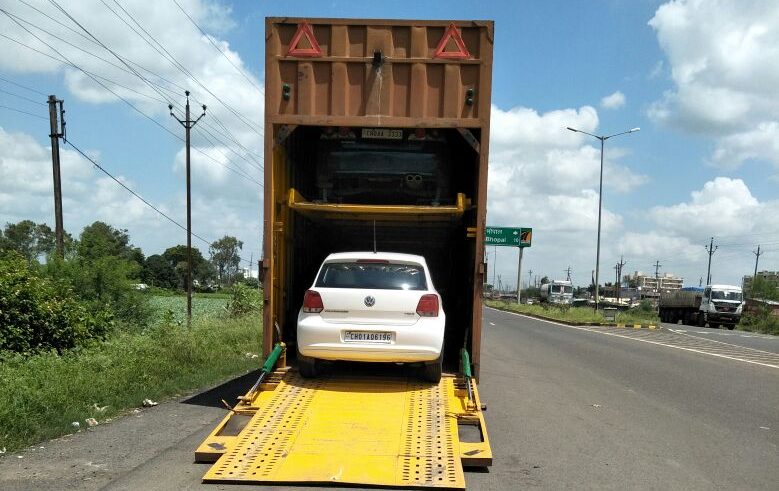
(757, 254)
(568, 274)
(621, 264)
(657, 275)
(55, 135)
(188, 124)
(711, 249)
(700, 281)
(529, 278)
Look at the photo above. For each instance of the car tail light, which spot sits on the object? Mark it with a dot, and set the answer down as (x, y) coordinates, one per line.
(312, 302)
(428, 306)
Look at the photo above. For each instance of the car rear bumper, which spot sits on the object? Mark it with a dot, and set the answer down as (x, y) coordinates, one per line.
(419, 342)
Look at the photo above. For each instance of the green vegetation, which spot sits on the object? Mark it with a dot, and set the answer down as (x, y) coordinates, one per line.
(173, 308)
(579, 315)
(79, 338)
(44, 393)
(762, 320)
(38, 313)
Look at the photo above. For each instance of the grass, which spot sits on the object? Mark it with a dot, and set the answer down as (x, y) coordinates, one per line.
(43, 394)
(580, 315)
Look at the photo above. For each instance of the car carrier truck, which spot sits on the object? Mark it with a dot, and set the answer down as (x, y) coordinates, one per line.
(715, 305)
(376, 138)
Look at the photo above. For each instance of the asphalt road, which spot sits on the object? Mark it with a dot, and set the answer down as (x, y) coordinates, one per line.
(568, 408)
(753, 340)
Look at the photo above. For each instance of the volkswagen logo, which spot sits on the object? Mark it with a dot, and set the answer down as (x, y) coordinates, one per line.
(369, 301)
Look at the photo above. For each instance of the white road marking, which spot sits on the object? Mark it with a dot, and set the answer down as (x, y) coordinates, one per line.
(586, 328)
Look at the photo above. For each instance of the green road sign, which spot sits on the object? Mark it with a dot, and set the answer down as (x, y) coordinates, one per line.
(508, 236)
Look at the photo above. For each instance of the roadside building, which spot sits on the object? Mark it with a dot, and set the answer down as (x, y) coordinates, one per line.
(651, 286)
(771, 277)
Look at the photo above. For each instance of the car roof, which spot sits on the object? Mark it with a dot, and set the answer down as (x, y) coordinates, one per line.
(389, 256)
(725, 287)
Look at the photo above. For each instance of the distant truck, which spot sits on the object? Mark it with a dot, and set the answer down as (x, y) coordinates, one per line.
(557, 292)
(716, 305)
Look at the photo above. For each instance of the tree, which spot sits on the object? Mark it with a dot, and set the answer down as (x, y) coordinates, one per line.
(176, 258)
(545, 279)
(225, 257)
(158, 271)
(27, 238)
(101, 240)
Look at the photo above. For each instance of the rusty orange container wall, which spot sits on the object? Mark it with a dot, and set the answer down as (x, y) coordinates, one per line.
(371, 73)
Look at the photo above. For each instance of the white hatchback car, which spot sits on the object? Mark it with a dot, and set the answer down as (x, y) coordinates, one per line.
(374, 307)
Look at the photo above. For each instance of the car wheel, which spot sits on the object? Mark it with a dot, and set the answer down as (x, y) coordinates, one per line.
(731, 327)
(431, 371)
(307, 366)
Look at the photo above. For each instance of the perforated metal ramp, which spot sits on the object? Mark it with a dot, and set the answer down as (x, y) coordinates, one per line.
(368, 431)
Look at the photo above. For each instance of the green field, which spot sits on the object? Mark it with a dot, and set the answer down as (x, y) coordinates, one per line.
(175, 307)
(42, 395)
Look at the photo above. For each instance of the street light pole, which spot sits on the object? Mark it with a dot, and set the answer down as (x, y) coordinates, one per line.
(600, 201)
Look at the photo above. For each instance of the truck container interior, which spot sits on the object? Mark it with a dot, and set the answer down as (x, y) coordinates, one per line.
(441, 237)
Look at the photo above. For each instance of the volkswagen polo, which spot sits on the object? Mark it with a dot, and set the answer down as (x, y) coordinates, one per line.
(372, 307)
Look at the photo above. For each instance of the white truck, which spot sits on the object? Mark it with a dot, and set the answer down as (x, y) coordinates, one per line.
(557, 292)
(715, 305)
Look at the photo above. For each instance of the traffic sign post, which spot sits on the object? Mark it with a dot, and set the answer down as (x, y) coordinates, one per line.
(510, 237)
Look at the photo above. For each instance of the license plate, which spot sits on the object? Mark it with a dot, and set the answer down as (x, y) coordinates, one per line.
(382, 133)
(368, 337)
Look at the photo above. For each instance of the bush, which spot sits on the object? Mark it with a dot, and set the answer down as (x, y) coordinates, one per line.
(762, 321)
(104, 284)
(38, 314)
(243, 301)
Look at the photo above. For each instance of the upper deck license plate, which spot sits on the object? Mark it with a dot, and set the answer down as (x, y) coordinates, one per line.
(383, 133)
(368, 337)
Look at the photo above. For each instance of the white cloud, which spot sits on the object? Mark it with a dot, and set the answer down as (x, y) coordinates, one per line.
(222, 199)
(722, 57)
(544, 176)
(723, 208)
(613, 101)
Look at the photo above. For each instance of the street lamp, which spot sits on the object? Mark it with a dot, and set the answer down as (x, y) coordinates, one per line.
(600, 199)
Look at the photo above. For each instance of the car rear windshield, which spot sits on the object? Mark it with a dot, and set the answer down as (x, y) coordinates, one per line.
(380, 276)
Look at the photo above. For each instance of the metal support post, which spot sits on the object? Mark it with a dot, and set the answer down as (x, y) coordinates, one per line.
(519, 274)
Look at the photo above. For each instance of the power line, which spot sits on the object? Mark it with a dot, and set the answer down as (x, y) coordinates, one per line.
(144, 200)
(129, 69)
(23, 112)
(22, 97)
(241, 71)
(23, 87)
(94, 77)
(171, 59)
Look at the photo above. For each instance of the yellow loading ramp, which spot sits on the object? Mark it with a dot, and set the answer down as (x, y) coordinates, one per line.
(350, 429)
(378, 212)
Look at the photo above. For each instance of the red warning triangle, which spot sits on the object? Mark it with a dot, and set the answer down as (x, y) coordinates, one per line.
(304, 29)
(452, 34)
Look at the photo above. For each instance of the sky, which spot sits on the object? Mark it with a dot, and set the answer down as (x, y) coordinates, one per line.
(698, 77)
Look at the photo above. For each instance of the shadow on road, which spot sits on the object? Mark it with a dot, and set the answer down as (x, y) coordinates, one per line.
(229, 391)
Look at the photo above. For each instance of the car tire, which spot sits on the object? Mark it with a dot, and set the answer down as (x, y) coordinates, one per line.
(731, 327)
(431, 371)
(307, 366)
